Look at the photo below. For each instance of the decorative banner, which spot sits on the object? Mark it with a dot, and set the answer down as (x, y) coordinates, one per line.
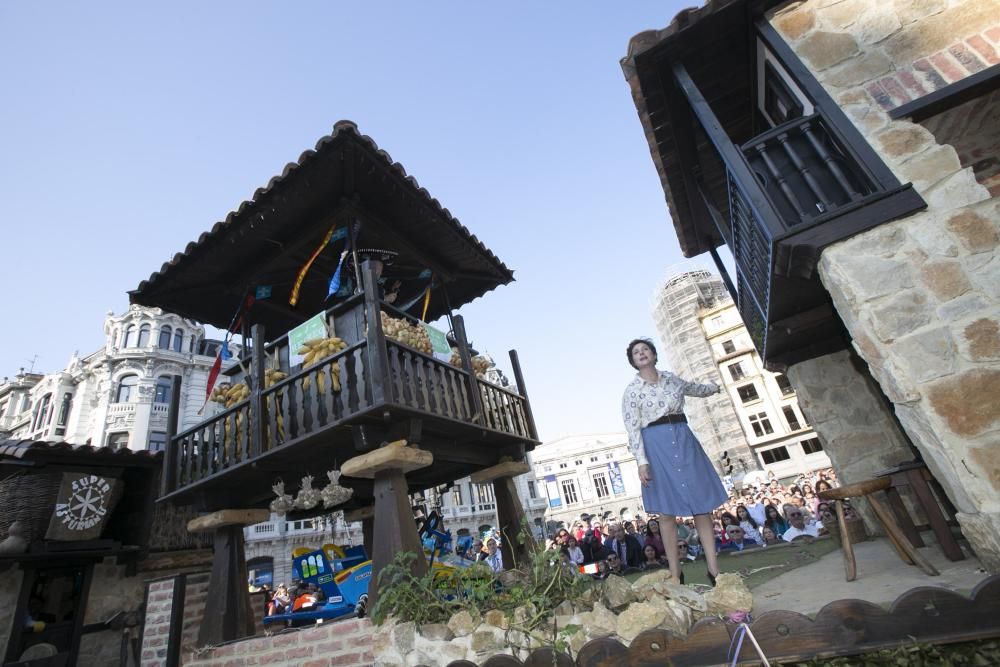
(439, 342)
(263, 292)
(293, 299)
(617, 483)
(311, 329)
(552, 489)
(83, 506)
(335, 279)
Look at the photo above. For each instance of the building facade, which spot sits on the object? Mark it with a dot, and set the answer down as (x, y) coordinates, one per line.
(587, 474)
(846, 153)
(764, 402)
(117, 396)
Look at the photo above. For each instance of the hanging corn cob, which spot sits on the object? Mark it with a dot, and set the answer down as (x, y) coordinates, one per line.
(315, 351)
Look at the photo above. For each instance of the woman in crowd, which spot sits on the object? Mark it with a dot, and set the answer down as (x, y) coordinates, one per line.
(279, 602)
(750, 528)
(677, 477)
(574, 551)
(651, 559)
(775, 521)
(769, 537)
(653, 538)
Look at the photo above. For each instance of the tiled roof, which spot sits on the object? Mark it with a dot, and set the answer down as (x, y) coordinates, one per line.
(38, 450)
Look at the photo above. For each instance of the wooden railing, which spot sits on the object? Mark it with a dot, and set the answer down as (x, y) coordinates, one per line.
(503, 410)
(421, 382)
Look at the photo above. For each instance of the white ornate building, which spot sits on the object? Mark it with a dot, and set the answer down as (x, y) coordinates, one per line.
(119, 395)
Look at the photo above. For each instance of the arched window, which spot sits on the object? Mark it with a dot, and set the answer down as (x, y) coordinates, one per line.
(143, 336)
(191, 345)
(67, 403)
(163, 385)
(178, 340)
(165, 332)
(42, 412)
(127, 389)
(128, 340)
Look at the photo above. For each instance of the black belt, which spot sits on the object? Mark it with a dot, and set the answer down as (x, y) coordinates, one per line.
(670, 419)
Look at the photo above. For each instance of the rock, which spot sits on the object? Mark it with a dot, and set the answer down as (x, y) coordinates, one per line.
(382, 636)
(462, 623)
(578, 639)
(677, 617)
(448, 653)
(487, 639)
(600, 622)
(589, 596)
(638, 618)
(524, 614)
(822, 49)
(420, 659)
(647, 580)
(496, 618)
(388, 658)
(403, 635)
(975, 232)
(685, 596)
(617, 592)
(967, 401)
(983, 338)
(436, 632)
(729, 594)
(564, 608)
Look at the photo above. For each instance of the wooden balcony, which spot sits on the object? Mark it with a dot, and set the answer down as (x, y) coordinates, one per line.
(302, 425)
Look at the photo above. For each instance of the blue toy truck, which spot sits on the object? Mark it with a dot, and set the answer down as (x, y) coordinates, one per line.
(342, 575)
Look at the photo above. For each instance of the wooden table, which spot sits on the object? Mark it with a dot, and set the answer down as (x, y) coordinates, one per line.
(918, 478)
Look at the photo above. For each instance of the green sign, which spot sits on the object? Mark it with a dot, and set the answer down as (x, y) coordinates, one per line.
(311, 329)
(439, 342)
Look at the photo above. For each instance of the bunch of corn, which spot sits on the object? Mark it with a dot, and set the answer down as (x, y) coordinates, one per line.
(272, 377)
(407, 333)
(480, 364)
(315, 351)
(229, 395)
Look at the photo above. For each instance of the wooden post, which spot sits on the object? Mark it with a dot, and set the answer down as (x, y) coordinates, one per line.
(368, 535)
(378, 357)
(168, 480)
(517, 547)
(458, 324)
(228, 614)
(258, 410)
(515, 365)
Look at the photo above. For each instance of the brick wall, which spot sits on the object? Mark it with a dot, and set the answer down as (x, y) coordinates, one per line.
(920, 296)
(345, 643)
(10, 588)
(159, 607)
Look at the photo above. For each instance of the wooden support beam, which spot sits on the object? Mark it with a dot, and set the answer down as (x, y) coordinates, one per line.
(500, 470)
(394, 529)
(224, 518)
(394, 456)
(517, 545)
(360, 514)
(228, 614)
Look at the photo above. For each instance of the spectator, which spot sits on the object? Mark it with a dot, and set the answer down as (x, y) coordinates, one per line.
(627, 547)
(593, 551)
(651, 559)
(279, 601)
(749, 525)
(798, 526)
(493, 558)
(615, 564)
(574, 551)
(654, 538)
(737, 538)
(823, 485)
(561, 536)
(683, 532)
(774, 520)
(598, 535)
(769, 536)
(756, 508)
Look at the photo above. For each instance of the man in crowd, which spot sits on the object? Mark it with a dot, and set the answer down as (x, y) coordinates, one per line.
(494, 559)
(798, 527)
(625, 546)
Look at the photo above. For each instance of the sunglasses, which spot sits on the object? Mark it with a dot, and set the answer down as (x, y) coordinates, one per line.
(612, 557)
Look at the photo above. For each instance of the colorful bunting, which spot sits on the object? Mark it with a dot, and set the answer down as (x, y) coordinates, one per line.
(294, 298)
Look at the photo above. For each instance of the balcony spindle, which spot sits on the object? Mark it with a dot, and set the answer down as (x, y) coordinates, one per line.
(831, 162)
(807, 176)
(779, 178)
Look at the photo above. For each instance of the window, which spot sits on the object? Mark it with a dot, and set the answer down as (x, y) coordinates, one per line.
(793, 421)
(569, 492)
(593, 459)
(609, 455)
(157, 441)
(728, 347)
(783, 384)
(118, 440)
(761, 424)
(812, 446)
(127, 387)
(563, 465)
(601, 485)
(191, 345)
(456, 495)
(486, 492)
(717, 322)
(736, 371)
(165, 337)
(128, 339)
(774, 455)
(548, 468)
(163, 386)
(748, 393)
(64, 409)
(532, 493)
(143, 336)
(178, 340)
(578, 462)
(42, 412)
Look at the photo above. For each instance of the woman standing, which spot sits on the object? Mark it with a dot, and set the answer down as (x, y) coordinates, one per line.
(677, 477)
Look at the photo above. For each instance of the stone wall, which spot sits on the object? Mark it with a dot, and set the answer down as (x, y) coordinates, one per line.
(920, 296)
(10, 588)
(345, 643)
(850, 417)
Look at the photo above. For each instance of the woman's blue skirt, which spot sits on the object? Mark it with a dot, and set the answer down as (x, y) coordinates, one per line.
(684, 482)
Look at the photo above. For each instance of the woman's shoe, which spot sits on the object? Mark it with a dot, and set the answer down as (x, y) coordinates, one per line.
(711, 577)
(681, 577)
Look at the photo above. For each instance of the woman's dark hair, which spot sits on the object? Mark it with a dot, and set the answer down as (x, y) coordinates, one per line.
(648, 532)
(644, 341)
(826, 486)
(795, 490)
(749, 518)
(770, 508)
(728, 516)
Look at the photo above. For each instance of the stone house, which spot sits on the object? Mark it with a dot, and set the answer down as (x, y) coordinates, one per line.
(847, 153)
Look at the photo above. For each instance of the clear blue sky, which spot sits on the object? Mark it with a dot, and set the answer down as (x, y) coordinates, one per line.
(127, 129)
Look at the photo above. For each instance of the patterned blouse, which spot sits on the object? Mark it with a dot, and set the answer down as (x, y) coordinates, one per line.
(644, 403)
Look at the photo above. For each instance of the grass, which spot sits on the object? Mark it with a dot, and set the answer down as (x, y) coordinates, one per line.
(758, 565)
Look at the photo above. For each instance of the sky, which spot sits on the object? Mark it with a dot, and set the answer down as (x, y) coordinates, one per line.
(128, 129)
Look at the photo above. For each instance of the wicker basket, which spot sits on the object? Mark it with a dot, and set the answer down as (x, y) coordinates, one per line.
(29, 498)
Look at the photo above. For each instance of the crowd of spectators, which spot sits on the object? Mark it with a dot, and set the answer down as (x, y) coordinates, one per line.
(755, 516)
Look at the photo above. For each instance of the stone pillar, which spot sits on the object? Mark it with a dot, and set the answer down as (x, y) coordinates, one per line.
(849, 414)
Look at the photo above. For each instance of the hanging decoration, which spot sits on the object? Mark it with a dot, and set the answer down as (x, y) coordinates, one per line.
(284, 502)
(224, 353)
(427, 300)
(333, 493)
(307, 497)
(335, 280)
(293, 299)
(263, 292)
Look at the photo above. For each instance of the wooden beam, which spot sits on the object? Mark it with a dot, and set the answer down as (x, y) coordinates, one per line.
(979, 84)
(499, 471)
(394, 456)
(360, 514)
(221, 518)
